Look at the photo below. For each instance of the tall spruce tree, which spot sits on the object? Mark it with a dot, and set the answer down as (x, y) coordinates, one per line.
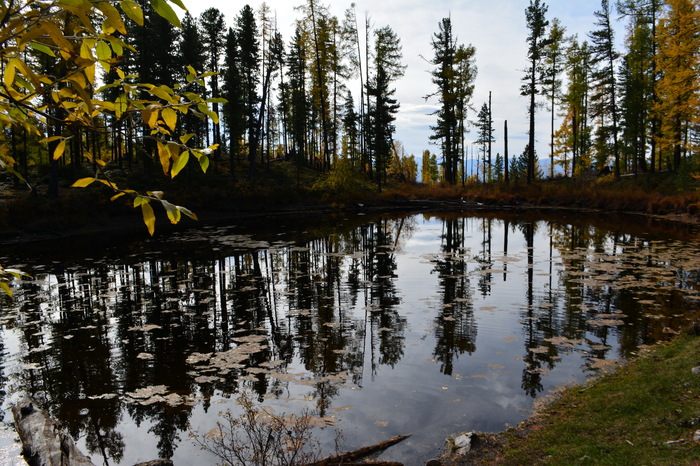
(249, 56)
(454, 76)
(636, 94)
(532, 81)
(213, 40)
(191, 53)
(388, 68)
(604, 98)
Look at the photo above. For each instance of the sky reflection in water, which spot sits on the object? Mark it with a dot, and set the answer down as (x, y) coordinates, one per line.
(427, 325)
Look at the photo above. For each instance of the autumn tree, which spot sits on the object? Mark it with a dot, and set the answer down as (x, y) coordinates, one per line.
(554, 62)
(679, 84)
(576, 100)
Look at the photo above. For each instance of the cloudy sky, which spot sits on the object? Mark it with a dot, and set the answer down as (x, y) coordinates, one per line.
(495, 27)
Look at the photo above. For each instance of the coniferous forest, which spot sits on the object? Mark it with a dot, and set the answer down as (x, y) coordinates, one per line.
(118, 92)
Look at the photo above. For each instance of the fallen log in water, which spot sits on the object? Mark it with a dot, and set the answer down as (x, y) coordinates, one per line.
(345, 458)
(44, 441)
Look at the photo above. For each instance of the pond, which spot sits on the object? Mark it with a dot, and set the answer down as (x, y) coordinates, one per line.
(425, 324)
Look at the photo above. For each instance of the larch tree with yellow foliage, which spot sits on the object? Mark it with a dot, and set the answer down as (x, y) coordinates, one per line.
(678, 88)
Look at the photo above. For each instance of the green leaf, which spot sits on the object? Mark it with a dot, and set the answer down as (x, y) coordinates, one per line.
(179, 3)
(83, 182)
(103, 51)
(179, 164)
(42, 48)
(217, 100)
(166, 11)
(149, 218)
(132, 10)
(204, 163)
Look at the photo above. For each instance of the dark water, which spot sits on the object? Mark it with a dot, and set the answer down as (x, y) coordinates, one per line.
(423, 324)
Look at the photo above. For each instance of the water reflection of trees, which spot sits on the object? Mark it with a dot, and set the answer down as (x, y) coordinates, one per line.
(455, 329)
(96, 332)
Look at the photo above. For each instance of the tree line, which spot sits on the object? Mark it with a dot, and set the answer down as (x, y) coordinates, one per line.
(325, 97)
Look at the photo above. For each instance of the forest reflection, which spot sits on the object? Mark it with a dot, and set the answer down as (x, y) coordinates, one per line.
(149, 337)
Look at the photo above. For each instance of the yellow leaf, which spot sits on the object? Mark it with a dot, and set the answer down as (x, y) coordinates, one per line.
(169, 117)
(150, 115)
(9, 76)
(6, 288)
(104, 53)
(60, 149)
(114, 19)
(132, 10)
(164, 156)
(120, 105)
(116, 196)
(149, 217)
(90, 73)
(162, 92)
(187, 212)
(52, 138)
(186, 137)
(172, 211)
(179, 164)
(83, 182)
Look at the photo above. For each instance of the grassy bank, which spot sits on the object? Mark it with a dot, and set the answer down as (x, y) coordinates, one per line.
(645, 412)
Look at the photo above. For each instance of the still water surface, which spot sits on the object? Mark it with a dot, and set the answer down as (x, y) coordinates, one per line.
(425, 324)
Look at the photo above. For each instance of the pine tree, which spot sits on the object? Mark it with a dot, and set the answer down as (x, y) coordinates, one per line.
(249, 56)
(454, 76)
(636, 94)
(484, 128)
(537, 43)
(213, 35)
(604, 98)
(388, 68)
(191, 53)
(234, 112)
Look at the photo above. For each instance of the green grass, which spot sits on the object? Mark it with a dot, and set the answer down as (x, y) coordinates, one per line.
(627, 417)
